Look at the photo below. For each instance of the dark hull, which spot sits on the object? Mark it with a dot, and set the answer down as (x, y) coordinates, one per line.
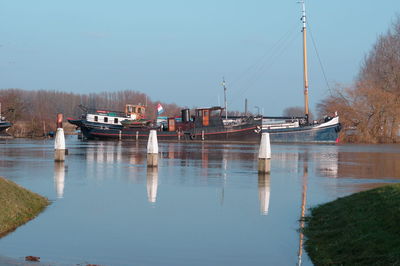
(307, 134)
(249, 132)
(4, 125)
(210, 134)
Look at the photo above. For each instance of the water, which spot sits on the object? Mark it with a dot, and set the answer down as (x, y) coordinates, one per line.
(206, 204)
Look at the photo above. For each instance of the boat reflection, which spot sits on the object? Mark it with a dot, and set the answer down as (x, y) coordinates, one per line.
(59, 179)
(104, 152)
(371, 165)
(303, 208)
(152, 184)
(264, 187)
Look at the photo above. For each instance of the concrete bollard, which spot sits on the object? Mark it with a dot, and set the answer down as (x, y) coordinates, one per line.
(59, 144)
(152, 149)
(264, 155)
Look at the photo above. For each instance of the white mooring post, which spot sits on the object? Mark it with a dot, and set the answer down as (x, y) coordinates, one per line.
(59, 144)
(264, 155)
(152, 149)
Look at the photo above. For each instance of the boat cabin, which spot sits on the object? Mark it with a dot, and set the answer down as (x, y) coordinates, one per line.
(102, 117)
(210, 116)
(114, 118)
(135, 111)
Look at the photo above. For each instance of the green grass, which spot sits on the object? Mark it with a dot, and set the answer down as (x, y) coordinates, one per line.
(361, 229)
(17, 205)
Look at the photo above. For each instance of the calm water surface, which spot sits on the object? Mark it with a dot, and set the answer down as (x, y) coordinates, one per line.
(206, 204)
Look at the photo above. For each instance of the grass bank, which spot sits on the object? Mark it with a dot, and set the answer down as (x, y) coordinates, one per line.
(17, 205)
(361, 229)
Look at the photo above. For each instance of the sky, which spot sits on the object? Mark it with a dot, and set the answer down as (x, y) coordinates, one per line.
(178, 51)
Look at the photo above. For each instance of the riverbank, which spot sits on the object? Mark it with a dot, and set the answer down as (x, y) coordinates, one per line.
(38, 129)
(17, 206)
(360, 229)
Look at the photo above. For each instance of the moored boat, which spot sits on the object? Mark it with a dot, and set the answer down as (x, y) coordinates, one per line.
(4, 125)
(301, 129)
(206, 124)
(291, 131)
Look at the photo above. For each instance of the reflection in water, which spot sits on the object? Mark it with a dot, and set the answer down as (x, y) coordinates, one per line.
(59, 177)
(152, 184)
(372, 165)
(204, 160)
(303, 208)
(104, 153)
(264, 192)
(110, 177)
(327, 163)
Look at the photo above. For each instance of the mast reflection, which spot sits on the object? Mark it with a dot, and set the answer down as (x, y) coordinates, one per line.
(152, 184)
(303, 208)
(264, 187)
(59, 179)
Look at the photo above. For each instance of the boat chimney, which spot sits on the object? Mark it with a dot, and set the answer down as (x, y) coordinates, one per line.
(245, 107)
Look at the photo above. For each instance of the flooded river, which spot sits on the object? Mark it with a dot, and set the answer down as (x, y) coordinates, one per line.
(206, 204)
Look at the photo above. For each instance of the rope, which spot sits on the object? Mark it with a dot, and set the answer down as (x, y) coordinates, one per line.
(264, 63)
(319, 59)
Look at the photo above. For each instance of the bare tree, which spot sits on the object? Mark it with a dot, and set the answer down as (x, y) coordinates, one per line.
(372, 105)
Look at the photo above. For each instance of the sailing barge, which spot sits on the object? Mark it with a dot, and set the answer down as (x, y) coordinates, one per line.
(301, 129)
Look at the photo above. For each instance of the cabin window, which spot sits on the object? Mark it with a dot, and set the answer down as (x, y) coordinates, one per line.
(96, 118)
(105, 119)
(115, 120)
(215, 113)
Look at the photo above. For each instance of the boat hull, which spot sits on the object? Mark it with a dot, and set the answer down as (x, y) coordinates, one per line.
(4, 125)
(307, 134)
(238, 134)
(250, 132)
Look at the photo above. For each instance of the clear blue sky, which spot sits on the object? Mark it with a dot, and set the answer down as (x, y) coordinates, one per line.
(178, 51)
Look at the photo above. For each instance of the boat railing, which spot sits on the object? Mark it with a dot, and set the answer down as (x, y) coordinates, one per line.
(102, 111)
(281, 125)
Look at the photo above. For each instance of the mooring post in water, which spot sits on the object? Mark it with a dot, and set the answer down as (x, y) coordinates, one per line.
(264, 155)
(152, 149)
(59, 144)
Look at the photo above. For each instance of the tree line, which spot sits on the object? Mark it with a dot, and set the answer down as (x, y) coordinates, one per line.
(33, 113)
(370, 109)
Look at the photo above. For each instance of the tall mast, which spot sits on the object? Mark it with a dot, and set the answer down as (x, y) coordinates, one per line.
(305, 76)
(226, 103)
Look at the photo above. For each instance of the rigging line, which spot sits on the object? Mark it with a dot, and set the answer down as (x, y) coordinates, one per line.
(319, 59)
(266, 55)
(256, 76)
